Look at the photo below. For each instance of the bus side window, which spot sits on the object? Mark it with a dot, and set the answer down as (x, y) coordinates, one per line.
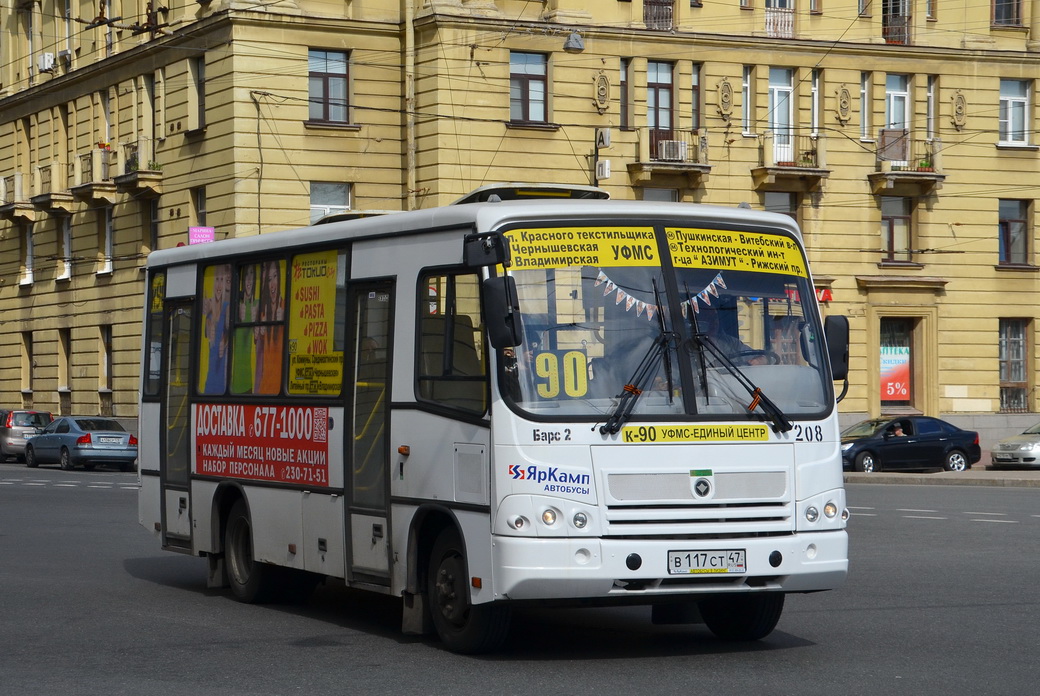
(451, 369)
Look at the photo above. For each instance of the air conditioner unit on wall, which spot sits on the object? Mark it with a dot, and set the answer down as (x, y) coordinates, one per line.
(672, 150)
(45, 62)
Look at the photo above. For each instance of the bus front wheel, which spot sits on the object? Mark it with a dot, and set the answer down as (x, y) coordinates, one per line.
(250, 580)
(744, 616)
(463, 627)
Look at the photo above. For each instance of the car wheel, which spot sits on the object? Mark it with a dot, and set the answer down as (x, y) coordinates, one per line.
(744, 616)
(461, 626)
(66, 459)
(30, 458)
(251, 581)
(865, 462)
(956, 461)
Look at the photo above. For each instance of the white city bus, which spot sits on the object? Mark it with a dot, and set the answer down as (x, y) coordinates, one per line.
(480, 406)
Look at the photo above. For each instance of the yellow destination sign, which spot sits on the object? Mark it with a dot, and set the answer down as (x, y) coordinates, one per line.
(564, 247)
(752, 432)
(737, 251)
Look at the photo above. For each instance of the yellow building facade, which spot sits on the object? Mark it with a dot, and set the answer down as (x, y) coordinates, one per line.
(900, 135)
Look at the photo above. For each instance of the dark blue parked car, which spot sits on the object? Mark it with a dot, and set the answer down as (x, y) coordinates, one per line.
(908, 442)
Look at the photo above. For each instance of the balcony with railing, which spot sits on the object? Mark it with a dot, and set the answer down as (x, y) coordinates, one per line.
(14, 198)
(659, 14)
(780, 22)
(895, 28)
(791, 157)
(51, 188)
(908, 163)
(92, 181)
(669, 152)
(142, 175)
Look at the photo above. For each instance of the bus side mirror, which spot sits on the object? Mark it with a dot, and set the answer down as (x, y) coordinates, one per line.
(836, 331)
(488, 249)
(502, 312)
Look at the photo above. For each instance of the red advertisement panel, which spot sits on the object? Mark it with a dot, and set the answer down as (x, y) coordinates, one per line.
(288, 444)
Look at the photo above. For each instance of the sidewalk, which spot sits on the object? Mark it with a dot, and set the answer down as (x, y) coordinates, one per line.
(978, 475)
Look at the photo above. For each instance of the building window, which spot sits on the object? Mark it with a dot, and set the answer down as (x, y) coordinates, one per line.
(624, 97)
(897, 98)
(1007, 13)
(328, 197)
(198, 204)
(1014, 105)
(695, 98)
(150, 224)
(781, 113)
(197, 94)
(815, 103)
(781, 202)
(64, 248)
(106, 234)
(929, 9)
(105, 357)
(527, 87)
(659, 96)
(64, 359)
(864, 106)
(895, 229)
(660, 194)
(1014, 372)
(328, 86)
(28, 254)
(815, 6)
(932, 108)
(1014, 231)
(863, 8)
(747, 94)
(896, 361)
(28, 362)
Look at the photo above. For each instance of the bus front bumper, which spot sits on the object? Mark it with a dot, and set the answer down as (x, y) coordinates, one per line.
(570, 568)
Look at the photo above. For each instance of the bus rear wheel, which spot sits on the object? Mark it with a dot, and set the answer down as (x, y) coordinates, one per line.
(743, 617)
(463, 627)
(251, 581)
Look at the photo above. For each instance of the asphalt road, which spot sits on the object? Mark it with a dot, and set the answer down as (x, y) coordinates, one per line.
(941, 599)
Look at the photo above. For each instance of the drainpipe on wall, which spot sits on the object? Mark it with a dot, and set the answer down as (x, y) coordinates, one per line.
(409, 100)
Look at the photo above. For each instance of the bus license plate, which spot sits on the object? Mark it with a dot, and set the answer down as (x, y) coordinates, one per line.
(724, 562)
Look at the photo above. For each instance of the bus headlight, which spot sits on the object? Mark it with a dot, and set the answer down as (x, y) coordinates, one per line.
(549, 517)
(830, 509)
(811, 513)
(517, 522)
(580, 520)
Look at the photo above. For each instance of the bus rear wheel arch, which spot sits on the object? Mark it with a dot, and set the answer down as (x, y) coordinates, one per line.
(463, 627)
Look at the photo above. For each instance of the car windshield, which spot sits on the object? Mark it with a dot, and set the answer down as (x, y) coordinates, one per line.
(643, 311)
(95, 424)
(1035, 430)
(863, 428)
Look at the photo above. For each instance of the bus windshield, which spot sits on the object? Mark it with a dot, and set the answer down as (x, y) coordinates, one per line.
(678, 321)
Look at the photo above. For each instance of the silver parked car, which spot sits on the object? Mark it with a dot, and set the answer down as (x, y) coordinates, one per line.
(18, 426)
(71, 441)
(1018, 450)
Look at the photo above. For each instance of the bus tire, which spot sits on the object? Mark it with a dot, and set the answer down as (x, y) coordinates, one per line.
(251, 581)
(743, 617)
(461, 626)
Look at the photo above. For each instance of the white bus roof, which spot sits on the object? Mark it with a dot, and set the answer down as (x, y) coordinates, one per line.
(476, 217)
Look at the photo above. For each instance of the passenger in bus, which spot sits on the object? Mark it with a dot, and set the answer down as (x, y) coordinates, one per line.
(269, 338)
(709, 324)
(215, 310)
(244, 346)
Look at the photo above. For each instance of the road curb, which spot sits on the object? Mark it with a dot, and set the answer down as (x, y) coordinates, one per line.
(972, 477)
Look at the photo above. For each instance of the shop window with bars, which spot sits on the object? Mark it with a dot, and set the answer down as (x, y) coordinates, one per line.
(1014, 373)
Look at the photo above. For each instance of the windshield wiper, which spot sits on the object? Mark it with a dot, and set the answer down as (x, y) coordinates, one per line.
(758, 398)
(647, 369)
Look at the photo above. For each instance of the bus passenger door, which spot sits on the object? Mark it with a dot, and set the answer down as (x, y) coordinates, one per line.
(368, 393)
(175, 445)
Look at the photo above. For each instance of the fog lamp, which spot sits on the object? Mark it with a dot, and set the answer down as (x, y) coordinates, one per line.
(812, 514)
(549, 517)
(830, 509)
(845, 515)
(580, 520)
(517, 522)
